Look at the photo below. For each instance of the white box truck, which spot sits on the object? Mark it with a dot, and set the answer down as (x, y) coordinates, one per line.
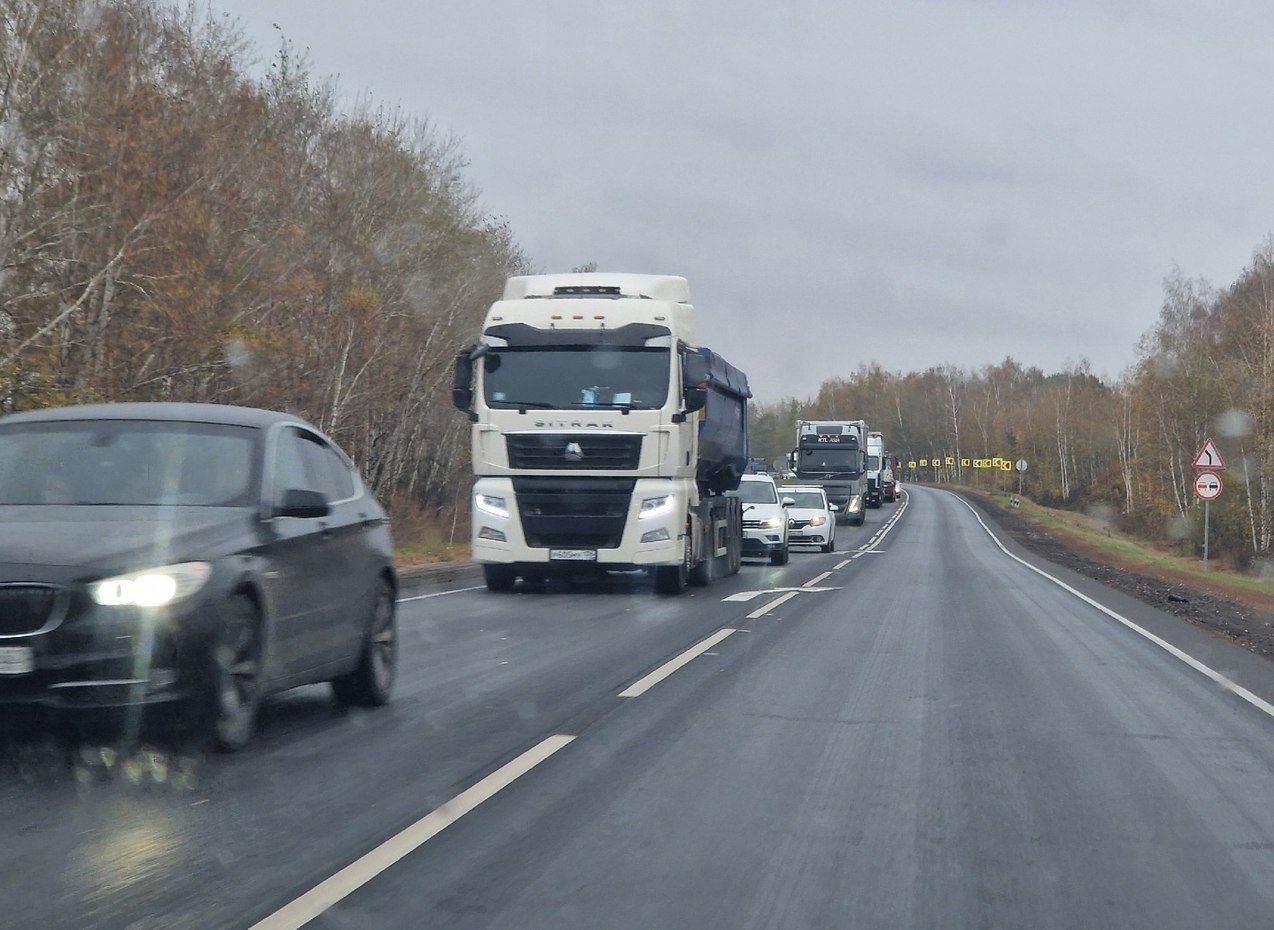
(880, 471)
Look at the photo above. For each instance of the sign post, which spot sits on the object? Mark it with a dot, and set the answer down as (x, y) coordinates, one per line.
(1208, 485)
(1021, 467)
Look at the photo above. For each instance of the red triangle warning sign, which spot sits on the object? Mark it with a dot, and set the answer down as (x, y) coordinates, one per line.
(1209, 457)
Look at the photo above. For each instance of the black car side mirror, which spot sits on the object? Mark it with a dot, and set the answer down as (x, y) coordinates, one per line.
(302, 503)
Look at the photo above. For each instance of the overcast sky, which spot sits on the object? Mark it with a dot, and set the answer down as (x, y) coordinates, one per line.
(907, 182)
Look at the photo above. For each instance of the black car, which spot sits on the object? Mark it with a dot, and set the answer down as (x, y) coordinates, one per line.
(206, 554)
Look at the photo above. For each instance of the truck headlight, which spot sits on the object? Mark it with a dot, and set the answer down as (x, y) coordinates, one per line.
(153, 587)
(653, 507)
(489, 503)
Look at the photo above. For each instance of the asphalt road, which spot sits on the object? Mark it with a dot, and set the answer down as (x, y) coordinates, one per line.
(930, 735)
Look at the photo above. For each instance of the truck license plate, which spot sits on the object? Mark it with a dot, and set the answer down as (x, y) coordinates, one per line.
(16, 660)
(573, 555)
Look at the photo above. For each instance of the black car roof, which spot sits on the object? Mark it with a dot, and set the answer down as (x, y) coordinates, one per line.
(174, 412)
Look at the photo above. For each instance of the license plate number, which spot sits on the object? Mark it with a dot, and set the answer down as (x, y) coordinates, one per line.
(573, 555)
(16, 660)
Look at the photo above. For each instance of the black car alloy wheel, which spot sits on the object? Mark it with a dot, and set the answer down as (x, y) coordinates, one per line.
(372, 681)
(235, 674)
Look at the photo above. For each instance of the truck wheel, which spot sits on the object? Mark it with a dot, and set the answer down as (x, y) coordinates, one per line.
(670, 579)
(499, 577)
(780, 556)
(702, 574)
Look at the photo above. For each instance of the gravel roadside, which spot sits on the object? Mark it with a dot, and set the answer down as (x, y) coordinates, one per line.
(1251, 628)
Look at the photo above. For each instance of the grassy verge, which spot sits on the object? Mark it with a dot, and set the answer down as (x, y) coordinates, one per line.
(424, 539)
(1101, 541)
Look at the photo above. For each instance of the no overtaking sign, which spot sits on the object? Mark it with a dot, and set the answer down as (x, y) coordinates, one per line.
(1207, 486)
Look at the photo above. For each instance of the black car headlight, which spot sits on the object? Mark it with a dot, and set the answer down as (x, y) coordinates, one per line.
(153, 587)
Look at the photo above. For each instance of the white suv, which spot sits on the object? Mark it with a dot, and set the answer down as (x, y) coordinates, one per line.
(811, 519)
(764, 518)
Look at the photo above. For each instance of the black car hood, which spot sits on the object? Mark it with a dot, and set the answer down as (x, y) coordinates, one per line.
(113, 539)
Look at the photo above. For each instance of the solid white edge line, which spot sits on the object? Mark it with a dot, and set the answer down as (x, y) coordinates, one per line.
(358, 873)
(421, 597)
(1234, 687)
(644, 684)
(762, 611)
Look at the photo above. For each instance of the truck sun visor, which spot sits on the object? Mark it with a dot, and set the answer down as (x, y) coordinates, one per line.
(523, 334)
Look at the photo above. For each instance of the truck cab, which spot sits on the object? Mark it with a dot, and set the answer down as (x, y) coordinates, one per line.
(832, 454)
(601, 434)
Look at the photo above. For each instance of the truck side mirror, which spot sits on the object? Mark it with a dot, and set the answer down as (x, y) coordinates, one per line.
(694, 381)
(694, 370)
(462, 381)
(462, 377)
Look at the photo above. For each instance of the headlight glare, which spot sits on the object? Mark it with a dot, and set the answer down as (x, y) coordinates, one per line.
(153, 587)
(656, 506)
(489, 503)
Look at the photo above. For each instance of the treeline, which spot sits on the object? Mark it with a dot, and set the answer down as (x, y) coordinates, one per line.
(1121, 450)
(172, 228)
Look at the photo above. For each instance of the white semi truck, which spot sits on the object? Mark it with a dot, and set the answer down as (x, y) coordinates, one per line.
(603, 437)
(832, 453)
(880, 471)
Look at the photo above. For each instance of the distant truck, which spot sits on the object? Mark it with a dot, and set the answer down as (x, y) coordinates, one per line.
(832, 454)
(603, 437)
(881, 485)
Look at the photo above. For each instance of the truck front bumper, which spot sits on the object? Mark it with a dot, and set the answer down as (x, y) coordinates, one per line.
(651, 535)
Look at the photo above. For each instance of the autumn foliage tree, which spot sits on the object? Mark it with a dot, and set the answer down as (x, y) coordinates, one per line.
(174, 229)
(1120, 450)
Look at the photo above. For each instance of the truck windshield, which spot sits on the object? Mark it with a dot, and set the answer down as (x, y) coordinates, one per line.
(829, 460)
(576, 377)
(873, 462)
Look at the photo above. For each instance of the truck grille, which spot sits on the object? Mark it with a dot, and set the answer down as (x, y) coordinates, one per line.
(28, 608)
(573, 513)
(559, 451)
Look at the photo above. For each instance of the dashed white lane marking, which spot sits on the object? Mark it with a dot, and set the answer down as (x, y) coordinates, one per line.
(753, 595)
(421, 597)
(816, 579)
(781, 599)
(358, 873)
(839, 565)
(1259, 703)
(642, 685)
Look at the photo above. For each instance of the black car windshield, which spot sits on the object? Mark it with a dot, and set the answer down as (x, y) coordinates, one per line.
(810, 499)
(576, 377)
(755, 492)
(127, 462)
